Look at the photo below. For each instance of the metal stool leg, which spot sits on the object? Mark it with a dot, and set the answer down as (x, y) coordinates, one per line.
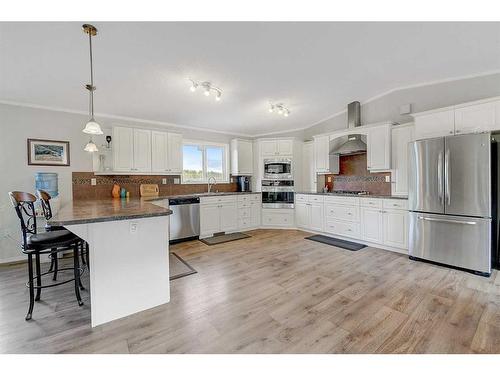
(56, 265)
(51, 262)
(82, 253)
(32, 293)
(87, 247)
(76, 265)
(38, 277)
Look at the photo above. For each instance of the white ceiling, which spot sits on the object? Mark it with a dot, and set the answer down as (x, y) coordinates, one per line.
(315, 69)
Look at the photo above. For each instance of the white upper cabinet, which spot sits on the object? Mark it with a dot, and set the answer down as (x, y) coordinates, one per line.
(123, 149)
(321, 150)
(241, 157)
(309, 177)
(435, 124)
(142, 150)
(174, 153)
(401, 137)
(285, 147)
(166, 155)
(276, 147)
(475, 118)
(378, 148)
(159, 146)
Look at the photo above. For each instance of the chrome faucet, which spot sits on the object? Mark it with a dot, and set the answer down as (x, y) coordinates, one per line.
(209, 184)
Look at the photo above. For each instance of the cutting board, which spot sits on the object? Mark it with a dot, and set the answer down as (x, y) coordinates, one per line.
(149, 190)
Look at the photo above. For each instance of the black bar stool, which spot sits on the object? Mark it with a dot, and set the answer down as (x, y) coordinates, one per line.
(44, 199)
(34, 244)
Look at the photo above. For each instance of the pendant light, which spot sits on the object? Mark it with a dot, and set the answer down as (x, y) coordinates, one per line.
(92, 127)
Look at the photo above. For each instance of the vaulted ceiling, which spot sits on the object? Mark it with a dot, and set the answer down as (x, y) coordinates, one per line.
(315, 69)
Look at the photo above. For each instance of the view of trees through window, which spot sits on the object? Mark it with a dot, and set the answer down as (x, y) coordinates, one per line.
(201, 162)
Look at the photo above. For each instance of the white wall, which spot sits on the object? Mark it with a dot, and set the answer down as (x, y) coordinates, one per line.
(20, 123)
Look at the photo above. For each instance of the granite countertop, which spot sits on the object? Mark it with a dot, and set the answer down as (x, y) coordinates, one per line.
(100, 210)
(199, 195)
(352, 195)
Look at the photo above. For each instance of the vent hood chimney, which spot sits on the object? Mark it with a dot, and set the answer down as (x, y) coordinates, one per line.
(354, 144)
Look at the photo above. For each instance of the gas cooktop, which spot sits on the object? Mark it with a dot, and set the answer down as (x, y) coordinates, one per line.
(350, 192)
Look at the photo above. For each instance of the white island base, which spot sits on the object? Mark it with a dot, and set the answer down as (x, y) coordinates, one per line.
(129, 266)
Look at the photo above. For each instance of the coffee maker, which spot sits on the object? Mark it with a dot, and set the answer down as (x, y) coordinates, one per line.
(243, 183)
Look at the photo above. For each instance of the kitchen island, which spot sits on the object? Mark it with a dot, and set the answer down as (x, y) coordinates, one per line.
(129, 255)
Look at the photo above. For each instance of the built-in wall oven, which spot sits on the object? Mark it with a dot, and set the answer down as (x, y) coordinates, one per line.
(277, 194)
(278, 169)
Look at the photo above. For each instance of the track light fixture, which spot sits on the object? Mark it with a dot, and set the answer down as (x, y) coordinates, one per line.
(207, 87)
(279, 108)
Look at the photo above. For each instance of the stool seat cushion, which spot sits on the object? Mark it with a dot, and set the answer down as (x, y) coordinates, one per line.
(47, 240)
(52, 228)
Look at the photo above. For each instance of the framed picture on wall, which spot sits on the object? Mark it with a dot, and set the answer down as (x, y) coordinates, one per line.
(48, 152)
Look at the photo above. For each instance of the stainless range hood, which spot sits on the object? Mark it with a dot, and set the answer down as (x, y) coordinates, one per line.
(354, 144)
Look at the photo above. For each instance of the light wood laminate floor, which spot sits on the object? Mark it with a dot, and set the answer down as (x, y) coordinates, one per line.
(273, 293)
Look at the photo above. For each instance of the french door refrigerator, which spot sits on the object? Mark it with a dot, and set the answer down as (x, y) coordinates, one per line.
(451, 202)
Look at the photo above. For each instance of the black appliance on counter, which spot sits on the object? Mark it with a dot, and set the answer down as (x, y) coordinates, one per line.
(243, 183)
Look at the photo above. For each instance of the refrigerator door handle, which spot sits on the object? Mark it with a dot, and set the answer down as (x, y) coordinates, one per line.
(447, 221)
(440, 177)
(447, 176)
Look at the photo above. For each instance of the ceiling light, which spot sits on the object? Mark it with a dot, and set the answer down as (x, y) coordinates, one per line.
(207, 88)
(279, 108)
(90, 147)
(92, 127)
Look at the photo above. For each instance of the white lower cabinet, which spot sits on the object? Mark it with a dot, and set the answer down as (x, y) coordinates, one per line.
(278, 217)
(395, 228)
(309, 212)
(371, 224)
(229, 213)
(373, 220)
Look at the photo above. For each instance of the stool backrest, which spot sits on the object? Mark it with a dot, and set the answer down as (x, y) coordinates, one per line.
(24, 204)
(45, 198)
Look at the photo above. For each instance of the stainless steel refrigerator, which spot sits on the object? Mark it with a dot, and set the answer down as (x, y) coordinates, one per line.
(451, 201)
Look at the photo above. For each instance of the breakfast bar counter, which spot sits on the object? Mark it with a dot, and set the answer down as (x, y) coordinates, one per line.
(129, 260)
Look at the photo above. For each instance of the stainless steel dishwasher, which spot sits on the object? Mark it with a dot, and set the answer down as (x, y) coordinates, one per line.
(185, 219)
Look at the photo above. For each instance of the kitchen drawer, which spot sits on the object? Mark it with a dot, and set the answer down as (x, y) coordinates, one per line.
(342, 212)
(219, 199)
(315, 198)
(244, 204)
(278, 217)
(244, 212)
(371, 202)
(301, 197)
(247, 197)
(245, 223)
(343, 228)
(350, 201)
(396, 204)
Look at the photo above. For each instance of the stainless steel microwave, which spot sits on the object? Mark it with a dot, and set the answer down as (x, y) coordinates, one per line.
(278, 169)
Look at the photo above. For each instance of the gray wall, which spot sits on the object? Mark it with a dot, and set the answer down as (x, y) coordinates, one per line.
(423, 98)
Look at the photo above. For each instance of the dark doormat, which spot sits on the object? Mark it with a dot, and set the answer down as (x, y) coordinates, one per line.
(348, 245)
(215, 240)
(179, 267)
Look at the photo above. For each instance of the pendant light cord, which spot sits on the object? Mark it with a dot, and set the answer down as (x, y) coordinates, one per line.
(91, 80)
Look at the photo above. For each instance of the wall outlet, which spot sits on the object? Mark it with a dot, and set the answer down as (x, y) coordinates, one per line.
(232, 180)
(329, 178)
(177, 180)
(93, 181)
(387, 178)
(134, 227)
(164, 181)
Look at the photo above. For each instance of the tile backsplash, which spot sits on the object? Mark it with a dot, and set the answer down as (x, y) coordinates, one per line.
(355, 176)
(83, 189)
